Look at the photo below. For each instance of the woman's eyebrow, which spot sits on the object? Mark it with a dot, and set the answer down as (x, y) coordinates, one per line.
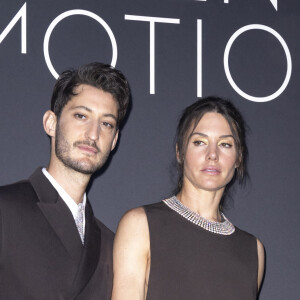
(205, 135)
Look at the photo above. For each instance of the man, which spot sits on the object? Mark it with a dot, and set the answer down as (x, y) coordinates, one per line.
(51, 245)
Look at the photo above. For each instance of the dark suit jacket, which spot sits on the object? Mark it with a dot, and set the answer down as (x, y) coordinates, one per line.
(41, 254)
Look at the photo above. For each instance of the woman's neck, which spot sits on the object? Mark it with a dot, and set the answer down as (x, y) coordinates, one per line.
(205, 203)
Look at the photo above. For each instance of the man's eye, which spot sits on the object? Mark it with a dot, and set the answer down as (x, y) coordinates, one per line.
(108, 125)
(80, 116)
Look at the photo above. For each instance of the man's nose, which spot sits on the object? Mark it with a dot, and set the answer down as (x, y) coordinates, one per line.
(93, 131)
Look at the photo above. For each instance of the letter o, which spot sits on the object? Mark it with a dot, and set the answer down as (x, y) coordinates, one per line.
(288, 58)
(71, 13)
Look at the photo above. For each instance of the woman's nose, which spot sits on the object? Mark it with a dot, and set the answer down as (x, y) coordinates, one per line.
(212, 153)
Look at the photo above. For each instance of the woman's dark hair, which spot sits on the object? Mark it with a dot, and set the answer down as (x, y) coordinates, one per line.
(189, 121)
(99, 75)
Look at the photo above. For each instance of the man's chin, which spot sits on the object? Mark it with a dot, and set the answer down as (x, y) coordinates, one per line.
(83, 167)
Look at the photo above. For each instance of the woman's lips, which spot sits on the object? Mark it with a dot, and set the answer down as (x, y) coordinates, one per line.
(211, 170)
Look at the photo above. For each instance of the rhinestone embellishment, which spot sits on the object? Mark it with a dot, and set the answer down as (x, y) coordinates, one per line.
(224, 228)
(79, 221)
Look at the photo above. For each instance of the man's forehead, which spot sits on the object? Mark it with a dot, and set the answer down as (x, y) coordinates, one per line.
(79, 89)
(87, 97)
(82, 87)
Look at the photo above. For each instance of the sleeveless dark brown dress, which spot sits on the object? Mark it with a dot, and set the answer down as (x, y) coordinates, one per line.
(188, 262)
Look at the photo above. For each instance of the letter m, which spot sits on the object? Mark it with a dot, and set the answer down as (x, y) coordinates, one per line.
(21, 14)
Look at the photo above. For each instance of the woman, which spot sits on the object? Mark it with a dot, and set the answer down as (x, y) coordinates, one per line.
(184, 247)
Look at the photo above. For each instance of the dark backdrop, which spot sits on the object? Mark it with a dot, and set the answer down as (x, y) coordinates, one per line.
(260, 59)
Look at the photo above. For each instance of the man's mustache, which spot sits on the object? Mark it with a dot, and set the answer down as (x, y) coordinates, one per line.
(88, 143)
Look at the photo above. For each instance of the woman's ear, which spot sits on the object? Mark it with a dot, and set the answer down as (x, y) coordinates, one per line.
(178, 158)
(238, 161)
(49, 122)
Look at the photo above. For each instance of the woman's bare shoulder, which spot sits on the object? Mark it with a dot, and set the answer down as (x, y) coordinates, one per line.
(261, 262)
(133, 217)
(133, 225)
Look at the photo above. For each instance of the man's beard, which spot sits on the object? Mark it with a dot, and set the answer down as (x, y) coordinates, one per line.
(63, 150)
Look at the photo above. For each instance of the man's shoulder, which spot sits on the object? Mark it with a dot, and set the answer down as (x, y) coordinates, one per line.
(105, 231)
(15, 188)
(15, 191)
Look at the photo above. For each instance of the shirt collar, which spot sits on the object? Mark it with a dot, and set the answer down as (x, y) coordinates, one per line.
(64, 195)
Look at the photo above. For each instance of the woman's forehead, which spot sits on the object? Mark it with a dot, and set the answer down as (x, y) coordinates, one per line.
(210, 123)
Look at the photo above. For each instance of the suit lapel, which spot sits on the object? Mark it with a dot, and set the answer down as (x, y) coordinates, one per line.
(91, 252)
(61, 220)
(57, 214)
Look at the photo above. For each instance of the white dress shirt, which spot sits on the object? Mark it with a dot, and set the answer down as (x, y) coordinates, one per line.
(66, 197)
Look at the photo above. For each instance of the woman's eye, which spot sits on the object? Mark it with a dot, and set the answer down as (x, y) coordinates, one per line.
(198, 143)
(226, 145)
(80, 116)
